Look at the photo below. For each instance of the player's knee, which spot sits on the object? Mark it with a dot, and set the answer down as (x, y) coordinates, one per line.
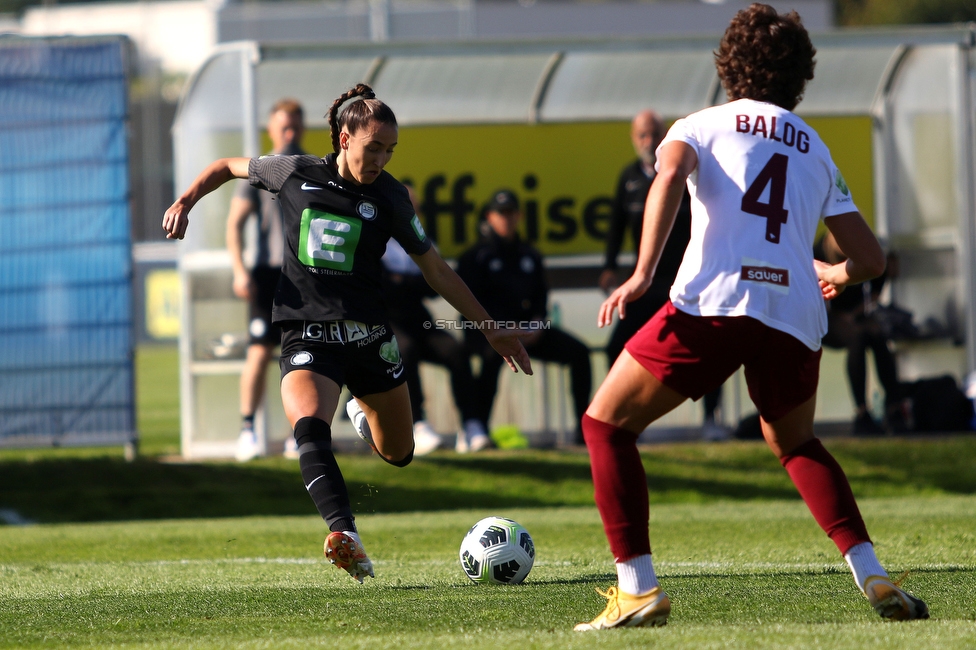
(312, 430)
(403, 462)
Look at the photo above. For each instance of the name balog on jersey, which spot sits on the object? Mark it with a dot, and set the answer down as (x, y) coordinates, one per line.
(764, 181)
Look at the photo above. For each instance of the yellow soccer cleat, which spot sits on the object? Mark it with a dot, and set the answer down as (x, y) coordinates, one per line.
(624, 610)
(892, 602)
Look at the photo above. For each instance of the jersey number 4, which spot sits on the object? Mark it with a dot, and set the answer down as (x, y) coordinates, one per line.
(773, 175)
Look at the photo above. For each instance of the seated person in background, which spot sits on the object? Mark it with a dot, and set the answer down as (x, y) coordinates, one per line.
(852, 326)
(404, 289)
(506, 274)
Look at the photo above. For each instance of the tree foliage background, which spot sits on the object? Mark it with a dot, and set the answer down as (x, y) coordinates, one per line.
(903, 12)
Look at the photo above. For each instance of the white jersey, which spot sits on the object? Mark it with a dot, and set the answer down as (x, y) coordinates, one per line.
(763, 182)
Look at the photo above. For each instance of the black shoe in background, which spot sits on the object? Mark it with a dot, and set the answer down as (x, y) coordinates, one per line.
(865, 425)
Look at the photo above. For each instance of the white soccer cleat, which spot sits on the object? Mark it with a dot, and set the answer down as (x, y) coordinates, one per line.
(344, 550)
(247, 446)
(425, 440)
(359, 423)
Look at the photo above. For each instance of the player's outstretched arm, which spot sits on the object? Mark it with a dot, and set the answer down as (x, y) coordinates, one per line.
(865, 258)
(677, 160)
(452, 288)
(176, 217)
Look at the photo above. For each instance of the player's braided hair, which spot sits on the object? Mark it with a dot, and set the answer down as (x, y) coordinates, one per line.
(766, 56)
(359, 113)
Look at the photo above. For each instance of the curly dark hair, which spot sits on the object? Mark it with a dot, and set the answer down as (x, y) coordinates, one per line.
(359, 113)
(765, 56)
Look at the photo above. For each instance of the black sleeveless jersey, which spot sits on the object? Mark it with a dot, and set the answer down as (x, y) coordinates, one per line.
(335, 235)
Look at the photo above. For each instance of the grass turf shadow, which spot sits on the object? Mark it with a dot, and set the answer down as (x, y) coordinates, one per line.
(80, 489)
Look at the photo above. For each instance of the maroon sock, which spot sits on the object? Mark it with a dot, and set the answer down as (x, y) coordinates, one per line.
(824, 487)
(619, 486)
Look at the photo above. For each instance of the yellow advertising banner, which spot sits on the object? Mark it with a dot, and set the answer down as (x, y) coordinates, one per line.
(563, 174)
(163, 292)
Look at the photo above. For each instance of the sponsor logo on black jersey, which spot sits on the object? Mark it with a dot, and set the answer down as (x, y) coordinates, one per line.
(366, 210)
(342, 331)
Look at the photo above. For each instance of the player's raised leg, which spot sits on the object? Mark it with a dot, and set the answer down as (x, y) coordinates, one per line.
(383, 421)
(628, 400)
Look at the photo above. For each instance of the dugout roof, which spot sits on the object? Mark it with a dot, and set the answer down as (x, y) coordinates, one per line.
(915, 87)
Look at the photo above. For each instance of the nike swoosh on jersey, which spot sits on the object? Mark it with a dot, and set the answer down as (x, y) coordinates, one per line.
(307, 187)
(396, 375)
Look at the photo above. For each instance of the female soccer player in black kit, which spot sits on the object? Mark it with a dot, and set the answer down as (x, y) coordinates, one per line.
(339, 212)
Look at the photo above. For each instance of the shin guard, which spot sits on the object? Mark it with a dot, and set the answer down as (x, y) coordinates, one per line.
(826, 491)
(619, 486)
(321, 474)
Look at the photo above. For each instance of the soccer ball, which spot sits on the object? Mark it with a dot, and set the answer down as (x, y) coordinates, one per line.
(497, 550)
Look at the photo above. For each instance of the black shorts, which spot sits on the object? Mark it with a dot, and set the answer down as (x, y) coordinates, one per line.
(366, 358)
(259, 326)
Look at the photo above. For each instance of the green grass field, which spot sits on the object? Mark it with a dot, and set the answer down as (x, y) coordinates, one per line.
(221, 555)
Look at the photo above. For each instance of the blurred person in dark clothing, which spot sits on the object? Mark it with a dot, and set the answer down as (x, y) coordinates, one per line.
(286, 125)
(507, 275)
(627, 215)
(852, 326)
(404, 289)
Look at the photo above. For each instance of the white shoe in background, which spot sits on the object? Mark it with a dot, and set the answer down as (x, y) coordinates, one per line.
(247, 446)
(477, 437)
(714, 432)
(425, 439)
(291, 448)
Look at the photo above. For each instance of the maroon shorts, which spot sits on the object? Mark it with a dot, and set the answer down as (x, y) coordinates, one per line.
(694, 355)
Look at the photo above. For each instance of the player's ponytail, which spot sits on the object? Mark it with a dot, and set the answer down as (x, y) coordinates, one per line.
(357, 114)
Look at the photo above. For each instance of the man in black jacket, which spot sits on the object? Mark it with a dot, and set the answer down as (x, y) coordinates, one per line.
(404, 289)
(507, 276)
(646, 132)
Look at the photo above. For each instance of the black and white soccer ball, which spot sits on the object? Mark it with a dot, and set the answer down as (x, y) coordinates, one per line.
(497, 550)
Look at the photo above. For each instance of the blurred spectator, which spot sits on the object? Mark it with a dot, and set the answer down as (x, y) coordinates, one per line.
(507, 276)
(852, 326)
(404, 291)
(286, 125)
(646, 132)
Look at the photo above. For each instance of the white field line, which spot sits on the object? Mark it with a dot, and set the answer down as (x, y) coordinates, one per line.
(663, 567)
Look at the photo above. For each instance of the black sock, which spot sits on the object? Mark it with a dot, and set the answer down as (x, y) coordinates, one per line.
(342, 524)
(321, 474)
(247, 421)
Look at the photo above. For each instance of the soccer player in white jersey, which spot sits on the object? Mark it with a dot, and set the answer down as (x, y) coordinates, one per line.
(748, 293)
